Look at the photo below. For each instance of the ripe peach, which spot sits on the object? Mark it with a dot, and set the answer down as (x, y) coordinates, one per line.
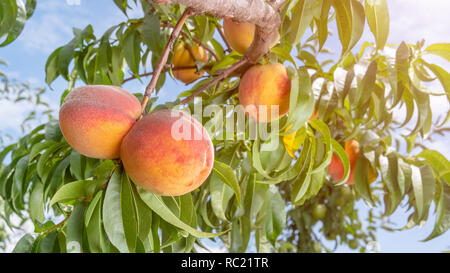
(165, 160)
(183, 58)
(95, 118)
(265, 85)
(336, 168)
(238, 35)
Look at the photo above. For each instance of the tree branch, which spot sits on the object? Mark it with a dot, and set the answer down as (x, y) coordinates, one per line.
(57, 225)
(164, 56)
(264, 15)
(151, 73)
(224, 73)
(220, 30)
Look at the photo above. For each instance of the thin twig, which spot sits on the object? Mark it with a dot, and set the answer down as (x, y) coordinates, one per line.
(219, 29)
(225, 73)
(151, 73)
(57, 225)
(164, 56)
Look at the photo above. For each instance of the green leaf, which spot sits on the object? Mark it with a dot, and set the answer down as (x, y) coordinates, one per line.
(282, 53)
(112, 213)
(442, 75)
(36, 202)
(19, 175)
(39, 147)
(301, 184)
(366, 88)
(390, 172)
(128, 210)
(45, 157)
(144, 214)
(350, 21)
(221, 195)
(30, 7)
(53, 131)
(417, 184)
(302, 15)
(358, 21)
(401, 68)
(246, 220)
(132, 50)
(442, 50)
(323, 129)
(343, 22)
(57, 177)
(361, 179)
(8, 16)
(75, 228)
(151, 33)
(122, 5)
(322, 23)
(14, 24)
(51, 67)
(442, 223)
(301, 101)
(77, 190)
(340, 152)
(429, 186)
(275, 217)
(423, 186)
(158, 206)
(65, 56)
(24, 244)
(49, 244)
(377, 14)
(436, 160)
(93, 223)
(77, 165)
(422, 100)
(235, 237)
(228, 176)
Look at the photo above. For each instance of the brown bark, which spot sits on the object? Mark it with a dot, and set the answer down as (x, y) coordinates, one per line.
(265, 15)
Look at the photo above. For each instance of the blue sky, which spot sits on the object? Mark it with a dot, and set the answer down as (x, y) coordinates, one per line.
(51, 27)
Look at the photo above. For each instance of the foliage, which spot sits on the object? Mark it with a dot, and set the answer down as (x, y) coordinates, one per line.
(252, 192)
(14, 91)
(13, 14)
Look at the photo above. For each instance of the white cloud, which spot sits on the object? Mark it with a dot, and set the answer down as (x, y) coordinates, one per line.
(16, 112)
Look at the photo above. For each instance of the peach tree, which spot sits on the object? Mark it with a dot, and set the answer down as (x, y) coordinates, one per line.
(339, 136)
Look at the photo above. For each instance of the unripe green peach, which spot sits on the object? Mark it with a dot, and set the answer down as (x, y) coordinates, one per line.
(319, 212)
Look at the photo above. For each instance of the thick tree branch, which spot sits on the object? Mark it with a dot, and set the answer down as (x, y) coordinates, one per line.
(164, 56)
(264, 15)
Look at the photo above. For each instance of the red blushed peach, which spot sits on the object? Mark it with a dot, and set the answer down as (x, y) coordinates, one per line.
(336, 168)
(265, 86)
(168, 152)
(95, 118)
